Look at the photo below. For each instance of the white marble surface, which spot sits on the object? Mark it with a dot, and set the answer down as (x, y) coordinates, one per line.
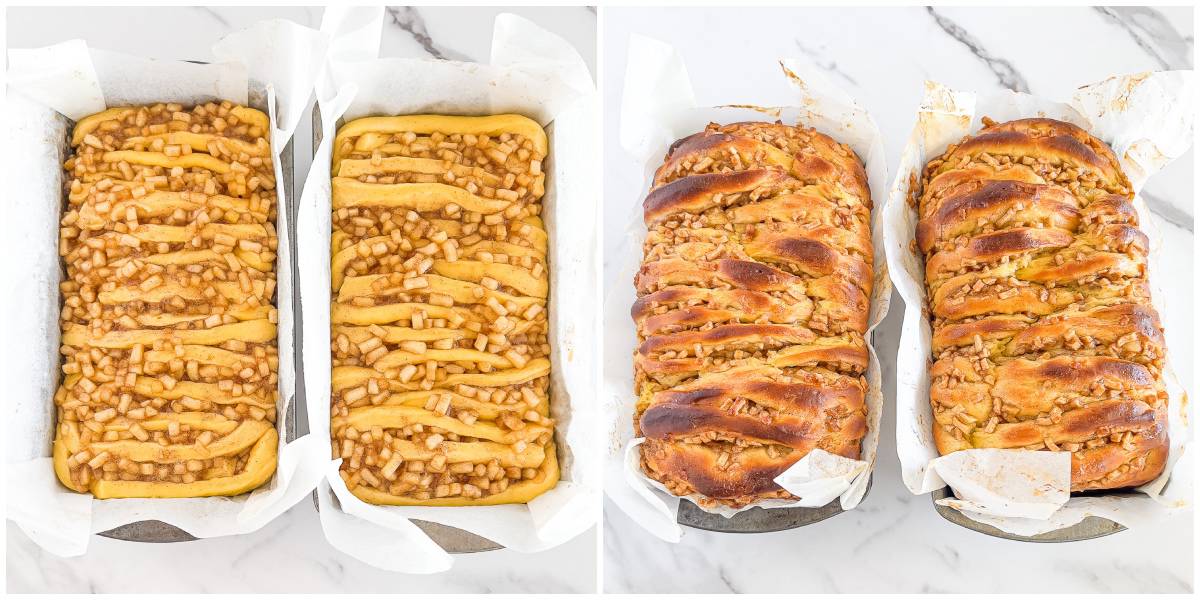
(895, 542)
(290, 554)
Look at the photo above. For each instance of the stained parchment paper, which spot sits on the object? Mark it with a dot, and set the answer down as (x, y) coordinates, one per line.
(270, 66)
(1147, 120)
(658, 108)
(534, 73)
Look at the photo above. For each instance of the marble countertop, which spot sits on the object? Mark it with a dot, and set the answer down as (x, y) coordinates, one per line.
(894, 541)
(290, 554)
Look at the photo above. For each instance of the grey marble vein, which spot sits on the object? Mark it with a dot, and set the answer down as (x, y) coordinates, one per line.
(214, 14)
(1153, 33)
(824, 62)
(726, 580)
(408, 19)
(948, 555)
(891, 525)
(1169, 212)
(1146, 575)
(1005, 72)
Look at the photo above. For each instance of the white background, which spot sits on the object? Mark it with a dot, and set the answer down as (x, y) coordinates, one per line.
(290, 554)
(894, 541)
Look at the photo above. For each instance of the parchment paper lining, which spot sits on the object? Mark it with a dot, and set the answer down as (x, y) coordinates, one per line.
(1147, 119)
(533, 73)
(658, 108)
(48, 88)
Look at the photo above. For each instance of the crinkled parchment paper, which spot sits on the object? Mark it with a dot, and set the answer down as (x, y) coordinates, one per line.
(1147, 119)
(658, 108)
(271, 66)
(533, 73)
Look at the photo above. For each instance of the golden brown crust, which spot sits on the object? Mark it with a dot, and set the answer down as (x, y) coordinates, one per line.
(753, 301)
(976, 205)
(1043, 332)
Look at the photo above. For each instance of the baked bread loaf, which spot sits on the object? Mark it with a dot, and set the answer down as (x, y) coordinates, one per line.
(170, 365)
(1044, 337)
(441, 369)
(753, 298)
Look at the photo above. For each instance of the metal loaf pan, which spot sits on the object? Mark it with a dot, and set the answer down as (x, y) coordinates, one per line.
(451, 539)
(758, 520)
(158, 532)
(1087, 529)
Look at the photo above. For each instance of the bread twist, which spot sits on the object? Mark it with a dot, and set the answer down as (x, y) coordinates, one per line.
(753, 298)
(1044, 337)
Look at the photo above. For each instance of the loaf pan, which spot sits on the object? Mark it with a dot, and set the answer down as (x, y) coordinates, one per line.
(451, 539)
(1087, 529)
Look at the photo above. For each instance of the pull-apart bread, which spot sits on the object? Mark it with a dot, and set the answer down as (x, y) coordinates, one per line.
(1044, 337)
(168, 326)
(753, 299)
(441, 354)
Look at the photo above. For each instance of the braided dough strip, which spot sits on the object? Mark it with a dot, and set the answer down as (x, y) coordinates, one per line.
(518, 493)
(258, 331)
(91, 123)
(260, 466)
(421, 197)
(425, 124)
(160, 204)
